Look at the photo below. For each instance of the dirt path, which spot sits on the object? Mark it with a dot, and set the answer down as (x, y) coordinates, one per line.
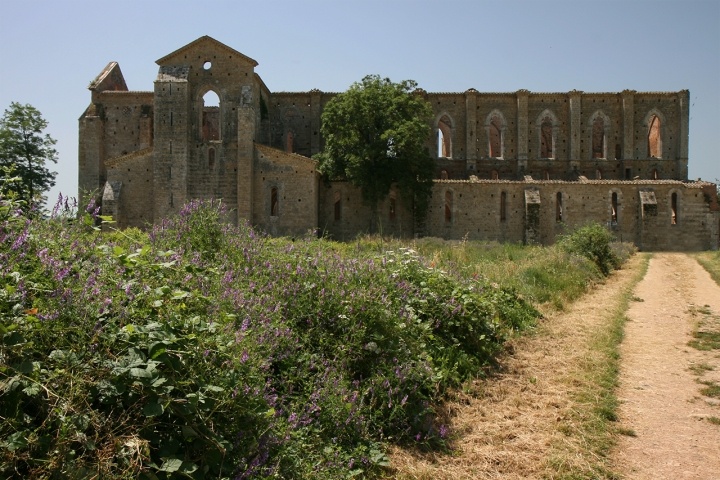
(659, 393)
(534, 420)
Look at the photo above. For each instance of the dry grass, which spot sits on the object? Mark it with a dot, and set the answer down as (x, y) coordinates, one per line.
(538, 416)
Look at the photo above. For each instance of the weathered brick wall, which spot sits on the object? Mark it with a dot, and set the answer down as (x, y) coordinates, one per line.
(343, 215)
(295, 181)
(475, 212)
(134, 174)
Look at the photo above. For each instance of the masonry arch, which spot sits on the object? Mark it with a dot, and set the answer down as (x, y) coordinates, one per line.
(495, 126)
(444, 127)
(209, 108)
(547, 127)
(654, 124)
(598, 126)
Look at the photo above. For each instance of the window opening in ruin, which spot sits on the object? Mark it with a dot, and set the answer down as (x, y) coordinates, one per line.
(289, 141)
(628, 173)
(598, 174)
(494, 174)
(207, 65)
(503, 206)
(444, 138)
(392, 209)
(614, 209)
(443, 175)
(598, 137)
(337, 206)
(547, 146)
(654, 139)
(674, 208)
(448, 206)
(274, 202)
(655, 174)
(618, 151)
(495, 137)
(211, 157)
(210, 113)
(558, 207)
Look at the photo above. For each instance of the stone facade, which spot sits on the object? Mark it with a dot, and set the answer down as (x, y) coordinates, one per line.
(515, 167)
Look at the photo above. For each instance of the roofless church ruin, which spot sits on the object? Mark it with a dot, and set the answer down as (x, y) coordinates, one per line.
(513, 167)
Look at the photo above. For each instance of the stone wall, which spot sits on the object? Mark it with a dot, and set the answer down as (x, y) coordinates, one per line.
(285, 192)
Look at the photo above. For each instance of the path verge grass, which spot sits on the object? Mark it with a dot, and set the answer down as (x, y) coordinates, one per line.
(593, 424)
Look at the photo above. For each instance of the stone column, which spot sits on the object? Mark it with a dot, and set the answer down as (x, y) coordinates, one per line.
(575, 124)
(682, 158)
(628, 104)
(471, 125)
(523, 128)
(245, 158)
(316, 109)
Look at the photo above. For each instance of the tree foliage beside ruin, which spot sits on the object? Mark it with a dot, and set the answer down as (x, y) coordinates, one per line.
(375, 137)
(25, 150)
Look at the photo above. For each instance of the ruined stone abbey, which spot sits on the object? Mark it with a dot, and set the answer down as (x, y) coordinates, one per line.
(512, 167)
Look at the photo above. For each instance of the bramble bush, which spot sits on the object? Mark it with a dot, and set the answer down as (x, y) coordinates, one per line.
(203, 350)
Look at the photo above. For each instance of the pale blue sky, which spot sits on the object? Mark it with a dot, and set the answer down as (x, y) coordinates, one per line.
(52, 49)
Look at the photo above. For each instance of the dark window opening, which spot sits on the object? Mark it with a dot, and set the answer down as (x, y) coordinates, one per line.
(503, 206)
(558, 207)
(392, 209)
(274, 202)
(674, 209)
(211, 157)
(598, 138)
(337, 206)
(614, 209)
(448, 206)
(546, 138)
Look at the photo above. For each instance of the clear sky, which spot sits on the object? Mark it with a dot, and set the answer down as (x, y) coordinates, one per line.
(52, 49)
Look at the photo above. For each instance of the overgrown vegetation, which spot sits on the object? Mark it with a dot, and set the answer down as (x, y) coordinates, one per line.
(202, 350)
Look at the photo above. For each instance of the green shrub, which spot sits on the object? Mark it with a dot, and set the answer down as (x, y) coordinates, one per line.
(593, 241)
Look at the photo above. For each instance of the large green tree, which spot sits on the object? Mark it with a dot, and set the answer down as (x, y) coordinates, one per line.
(376, 136)
(25, 150)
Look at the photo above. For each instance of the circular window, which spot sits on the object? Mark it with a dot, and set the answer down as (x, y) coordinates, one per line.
(207, 65)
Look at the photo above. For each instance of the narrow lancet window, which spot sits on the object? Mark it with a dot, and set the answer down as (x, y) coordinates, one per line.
(448, 206)
(614, 209)
(559, 207)
(495, 133)
(654, 138)
(274, 202)
(674, 209)
(444, 137)
(337, 207)
(210, 117)
(547, 146)
(503, 206)
(598, 138)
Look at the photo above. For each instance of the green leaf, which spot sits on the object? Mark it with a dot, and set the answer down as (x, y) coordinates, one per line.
(171, 465)
(153, 410)
(140, 373)
(16, 441)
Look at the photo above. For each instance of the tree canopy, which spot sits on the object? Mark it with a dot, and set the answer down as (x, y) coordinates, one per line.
(25, 150)
(375, 136)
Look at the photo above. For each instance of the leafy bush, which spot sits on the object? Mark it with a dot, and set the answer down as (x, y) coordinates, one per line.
(209, 351)
(594, 242)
